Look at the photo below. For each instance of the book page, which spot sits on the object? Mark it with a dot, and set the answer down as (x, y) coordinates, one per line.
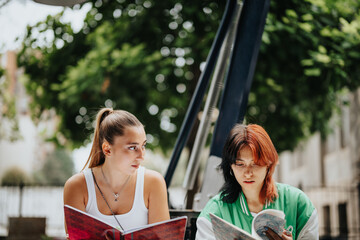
(224, 230)
(269, 218)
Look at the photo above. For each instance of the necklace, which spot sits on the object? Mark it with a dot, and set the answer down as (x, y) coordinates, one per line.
(116, 195)
(112, 212)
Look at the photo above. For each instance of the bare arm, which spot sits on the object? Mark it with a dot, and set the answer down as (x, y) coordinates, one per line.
(157, 197)
(75, 192)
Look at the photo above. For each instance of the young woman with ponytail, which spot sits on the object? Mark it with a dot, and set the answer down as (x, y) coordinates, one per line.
(113, 185)
(248, 164)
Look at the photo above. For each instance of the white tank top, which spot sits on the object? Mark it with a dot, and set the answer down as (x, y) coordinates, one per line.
(136, 217)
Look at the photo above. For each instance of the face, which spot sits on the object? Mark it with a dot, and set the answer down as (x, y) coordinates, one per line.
(249, 175)
(127, 152)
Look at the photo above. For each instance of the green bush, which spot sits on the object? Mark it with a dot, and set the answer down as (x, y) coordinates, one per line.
(14, 177)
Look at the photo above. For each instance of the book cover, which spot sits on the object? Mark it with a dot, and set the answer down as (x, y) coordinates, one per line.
(269, 218)
(81, 225)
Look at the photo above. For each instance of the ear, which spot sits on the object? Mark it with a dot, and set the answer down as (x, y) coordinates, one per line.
(106, 148)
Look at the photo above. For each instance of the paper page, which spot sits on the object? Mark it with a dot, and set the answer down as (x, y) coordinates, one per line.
(224, 230)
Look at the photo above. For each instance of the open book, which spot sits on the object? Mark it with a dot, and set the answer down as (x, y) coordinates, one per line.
(268, 218)
(81, 225)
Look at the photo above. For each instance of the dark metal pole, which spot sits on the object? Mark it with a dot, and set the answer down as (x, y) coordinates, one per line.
(198, 96)
(21, 188)
(242, 66)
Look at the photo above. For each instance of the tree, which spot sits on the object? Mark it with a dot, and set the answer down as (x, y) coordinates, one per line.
(9, 127)
(309, 55)
(144, 56)
(15, 177)
(141, 57)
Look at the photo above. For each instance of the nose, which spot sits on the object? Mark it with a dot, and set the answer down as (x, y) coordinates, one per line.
(248, 172)
(141, 153)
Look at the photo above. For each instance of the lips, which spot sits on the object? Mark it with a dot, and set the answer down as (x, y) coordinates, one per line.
(136, 166)
(249, 182)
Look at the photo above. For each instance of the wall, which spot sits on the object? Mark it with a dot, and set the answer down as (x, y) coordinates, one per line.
(328, 170)
(27, 153)
(19, 153)
(301, 167)
(36, 202)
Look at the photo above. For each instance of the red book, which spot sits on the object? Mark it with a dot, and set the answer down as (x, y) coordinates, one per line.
(81, 225)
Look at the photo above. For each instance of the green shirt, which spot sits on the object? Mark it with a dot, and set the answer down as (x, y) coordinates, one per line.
(293, 202)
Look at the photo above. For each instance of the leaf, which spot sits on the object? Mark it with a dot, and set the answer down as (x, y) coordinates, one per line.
(312, 72)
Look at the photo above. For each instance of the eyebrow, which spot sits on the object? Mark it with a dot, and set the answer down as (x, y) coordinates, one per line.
(239, 159)
(135, 143)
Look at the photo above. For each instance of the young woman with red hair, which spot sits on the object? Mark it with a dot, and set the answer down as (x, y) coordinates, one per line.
(248, 164)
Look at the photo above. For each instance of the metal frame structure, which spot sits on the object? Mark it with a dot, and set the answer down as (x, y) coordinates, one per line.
(249, 17)
(63, 3)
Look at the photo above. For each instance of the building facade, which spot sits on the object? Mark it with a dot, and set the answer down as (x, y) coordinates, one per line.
(328, 171)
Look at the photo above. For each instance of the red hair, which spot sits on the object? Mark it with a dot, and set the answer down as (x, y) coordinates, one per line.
(264, 154)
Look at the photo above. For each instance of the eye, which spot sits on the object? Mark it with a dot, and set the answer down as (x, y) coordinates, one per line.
(239, 164)
(144, 146)
(132, 148)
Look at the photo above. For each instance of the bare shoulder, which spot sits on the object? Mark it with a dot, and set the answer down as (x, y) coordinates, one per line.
(75, 191)
(154, 182)
(153, 177)
(155, 195)
(77, 181)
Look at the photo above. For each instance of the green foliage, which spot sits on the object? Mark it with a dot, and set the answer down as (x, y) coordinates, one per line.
(14, 177)
(144, 57)
(9, 127)
(310, 52)
(45, 237)
(58, 167)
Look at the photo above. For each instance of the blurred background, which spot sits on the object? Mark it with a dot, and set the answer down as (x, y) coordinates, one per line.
(60, 64)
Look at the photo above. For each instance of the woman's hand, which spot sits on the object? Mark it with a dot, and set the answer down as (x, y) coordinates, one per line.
(273, 236)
